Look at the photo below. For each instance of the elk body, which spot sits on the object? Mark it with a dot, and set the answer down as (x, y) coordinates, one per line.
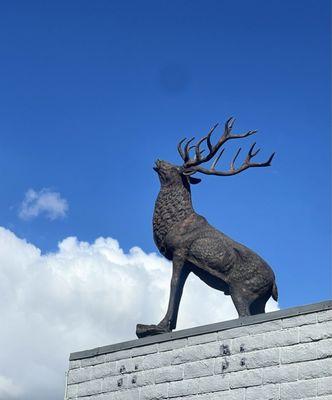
(193, 245)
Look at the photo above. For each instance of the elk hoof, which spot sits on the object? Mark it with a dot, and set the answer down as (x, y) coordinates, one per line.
(150, 330)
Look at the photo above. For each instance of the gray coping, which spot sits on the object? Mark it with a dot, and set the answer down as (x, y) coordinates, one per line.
(200, 330)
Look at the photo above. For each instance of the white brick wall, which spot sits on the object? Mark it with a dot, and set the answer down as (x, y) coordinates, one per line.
(284, 359)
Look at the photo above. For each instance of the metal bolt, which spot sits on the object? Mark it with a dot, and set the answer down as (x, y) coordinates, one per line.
(224, 365)
(224, 349)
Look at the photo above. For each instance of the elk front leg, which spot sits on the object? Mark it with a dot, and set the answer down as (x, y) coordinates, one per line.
(179, 277)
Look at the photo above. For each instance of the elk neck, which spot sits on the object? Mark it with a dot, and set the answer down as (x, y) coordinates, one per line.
(173, 205)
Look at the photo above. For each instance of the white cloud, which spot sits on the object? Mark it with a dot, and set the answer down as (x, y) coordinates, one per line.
(82, 296)
(8, 390)
(45, 202)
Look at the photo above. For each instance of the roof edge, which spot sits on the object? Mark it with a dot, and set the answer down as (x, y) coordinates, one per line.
(200, 330)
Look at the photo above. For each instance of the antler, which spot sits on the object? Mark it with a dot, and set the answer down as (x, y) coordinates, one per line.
(192, 165)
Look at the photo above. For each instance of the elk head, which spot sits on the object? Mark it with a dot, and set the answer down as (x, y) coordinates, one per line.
(172, 174)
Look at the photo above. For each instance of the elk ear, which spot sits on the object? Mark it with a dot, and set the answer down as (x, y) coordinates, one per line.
(194, 181)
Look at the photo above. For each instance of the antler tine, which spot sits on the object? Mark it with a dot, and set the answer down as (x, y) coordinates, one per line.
(229, 124)
(234, 159)
(180, 148)
(213, 165)
(208, 142)
(208, 136)
(187, 149)
(268, 162)
(243, 135)
(198, 152)
(250, 152)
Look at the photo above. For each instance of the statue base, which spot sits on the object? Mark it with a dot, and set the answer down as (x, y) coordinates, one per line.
(284, 354)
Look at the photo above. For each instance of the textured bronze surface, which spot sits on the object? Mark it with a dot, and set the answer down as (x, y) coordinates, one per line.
(193, 245)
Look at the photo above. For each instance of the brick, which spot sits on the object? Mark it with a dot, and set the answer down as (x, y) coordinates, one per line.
(141, 351)
(209, 337)
(298, 390)
(268, 392)
(300, 320)
(114, 383)
(328, 397)
(102, 370)
(142, 378)
(324, 316)
(262, 358)
(85, 362)
(169, 374)
(320, 331)
(154, 392)
(102, 396)
(244, 379)
(173, 344)
(250, 329)
(249, 343)
(286, 337)
(118, 355)
(195, 353)
(279, 374)
(199, 368)
(297, 353)
(265, 327)
(195, 397)
(234, 333)
(183, 388)
(78, 375)
(157, 360)
(237, 394)
(315, 369)
(132, 394)
(213, 383)
(324, 348)
(75, 364)
(324, 385)
(72, 391)
(90, 387)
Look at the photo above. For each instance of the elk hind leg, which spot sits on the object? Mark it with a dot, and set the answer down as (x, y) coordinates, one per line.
(258, 305)
(241, 303)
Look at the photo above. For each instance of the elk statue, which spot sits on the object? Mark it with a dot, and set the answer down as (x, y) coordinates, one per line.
(193, 245)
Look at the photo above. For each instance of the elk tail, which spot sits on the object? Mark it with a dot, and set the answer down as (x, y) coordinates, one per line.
(275, 291)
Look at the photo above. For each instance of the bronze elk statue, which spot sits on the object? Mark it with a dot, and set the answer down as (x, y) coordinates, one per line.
(193, 245)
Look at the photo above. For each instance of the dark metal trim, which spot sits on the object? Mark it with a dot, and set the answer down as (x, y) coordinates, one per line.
(200, 330)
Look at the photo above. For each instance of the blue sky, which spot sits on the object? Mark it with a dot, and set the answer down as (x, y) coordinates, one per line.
(91, 93)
